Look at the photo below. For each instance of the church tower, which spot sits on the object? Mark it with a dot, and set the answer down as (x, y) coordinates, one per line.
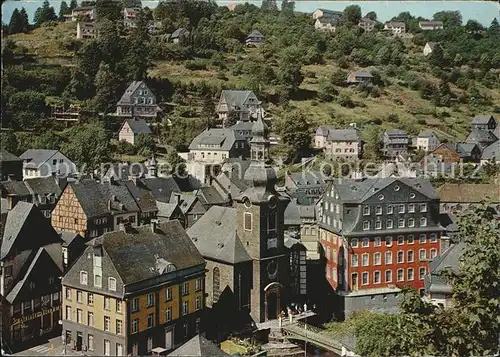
(260, 221)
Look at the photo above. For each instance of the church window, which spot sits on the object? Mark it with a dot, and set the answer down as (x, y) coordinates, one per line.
(271, 223)
(216, 285)
(248, 221)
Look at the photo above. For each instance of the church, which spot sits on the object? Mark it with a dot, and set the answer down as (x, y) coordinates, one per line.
(247, 261)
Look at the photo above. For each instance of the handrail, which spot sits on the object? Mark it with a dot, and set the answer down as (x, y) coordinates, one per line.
(313, 334)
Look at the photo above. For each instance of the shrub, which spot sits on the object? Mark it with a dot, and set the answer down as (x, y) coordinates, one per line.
(195, 65)
(345, 100)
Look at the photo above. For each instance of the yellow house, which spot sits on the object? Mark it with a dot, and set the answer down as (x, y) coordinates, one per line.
(134, 290)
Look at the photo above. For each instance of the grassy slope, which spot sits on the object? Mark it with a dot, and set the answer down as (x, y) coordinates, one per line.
(45, 43)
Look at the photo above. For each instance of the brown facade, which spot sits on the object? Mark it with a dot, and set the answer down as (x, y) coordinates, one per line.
(68, 215)
(447, 155)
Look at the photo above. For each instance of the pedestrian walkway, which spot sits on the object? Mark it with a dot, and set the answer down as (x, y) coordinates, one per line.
(40, 349)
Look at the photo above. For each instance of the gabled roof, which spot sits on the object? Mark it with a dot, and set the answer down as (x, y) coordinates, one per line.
(69, 237)
(180, 32)
(462, 149)
(97, 198)
(161, 187)
(167, 210)
(344, 135)
(46, 185)
(214, 234)
(15, 188)
(243, 125)
(491, 152)
(480, 136)
(331, 12)
(224, 138)
(138, 126)
(395, 24)
(142, 195)
(6, 156)
(328, 20)
(469, 193)
(395, 132)
(362, 73)
(307, 178)
(449, 259)
(295, 212)
(236, 98)
(199, 346)
(125, 171)
(24, 222)
(136, 253)
(210, 196)
(430, 23)
(255, 33)
(127, 95)
(367, 20)
(426, 134)
(482, 119)
(38, 157)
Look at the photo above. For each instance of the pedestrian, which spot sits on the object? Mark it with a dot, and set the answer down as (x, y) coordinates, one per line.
(305, 307)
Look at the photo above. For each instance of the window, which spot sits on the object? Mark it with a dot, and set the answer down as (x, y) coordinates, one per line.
(197, 325)
(400, 274)
(411, 222)
(107, 322)
(68, 294)
(401, 240)
(90, 299)
(365, 259)
(186, 329)
(366, 211)
(388, 276)
(150, 320)
(434, 238)
(135, 323)
(135, 305)
(409, 274)
(378, 210)
(388, 241)
(364, 278)
(354, 260)
(185, 288)
(433, 253)
(377, 259)
(168, 294)
(119, 327)
(112, 284)
(423, 207)
(390, 209)
(151, 300)
(107, 304)
(401, 256)
(197, 285)
(185, 307)
(376, 277)
(90, 318)
(216, 284)
(366, 225)
(168, 314)
(410, 256)
(83, 278)
(378, 224)
(248, 221)
(411, 208)
(150, 344)
(401, 209)
(389, 224)
(423, 239)
(366, 242)
(79, 296)
(271, 221)
(119, 349)
(377, 242)
(421, 273)
(388, 257)
(411, 239)
(97, 280)
(198, 303)
(423, 222)
(422, 255)
(354, 243)
(401, 223)
(79, 316)
(118, 306)
(90, 343)
(107, 348)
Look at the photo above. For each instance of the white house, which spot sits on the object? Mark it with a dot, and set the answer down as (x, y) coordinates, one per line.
(429, 47)
(86, 30)
(430, 25)
(427, 141)
(367, 24)
(131, 128)
(339, 143)
(396, 27)
(43, 163)
(319, 13)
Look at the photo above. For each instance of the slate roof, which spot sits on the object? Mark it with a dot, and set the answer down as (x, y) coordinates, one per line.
(482, 119)
(395, 24)
(210, 196)
(363, 73)
(462, 149)
(236, 98)
(6, 156)
(367, 20)
(180, 32)
(166, 209)
(295, 212)
(23, 223)
(142, 195)
(214, 234)
(125, 171)
(15, 188)
(199, 346)
(430, 23)
(224, 137)
(255, 33)
(480, 136)
(469, 193)
(126, 98)
(344, 135)
(426, 134)
(133, 252)
(331, 13)
(491, 152)
(328, 20)
(37, 156)
(46, 185)
(160, 187)
(307, 178)
(395, 132)
(138, 126)
(449, 259)
(243, 126)
(94, 197)
(69, 237)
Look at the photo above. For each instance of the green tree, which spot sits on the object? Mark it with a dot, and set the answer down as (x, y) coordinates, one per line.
(89, 58)
(64, 10)
(47, 140)
(338, 77)
(268, 5)
(80, 87)
(372, 15)
(107, 85)
(109, 10)
(44, 14)
(132, 3)
(9, 141)
(294, 130)
(110, 43)
(436, 57)
(177, 164)
(24, 20)
(87, 145)
(15, 24)
(371, 148)
(73, 4)
(138, 57)
(449, 18)
(145, 144)
(352, 15)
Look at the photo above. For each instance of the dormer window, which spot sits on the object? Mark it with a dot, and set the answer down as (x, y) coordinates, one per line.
(366, 211)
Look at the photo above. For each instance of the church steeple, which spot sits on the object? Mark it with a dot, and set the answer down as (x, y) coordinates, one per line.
(259, 144)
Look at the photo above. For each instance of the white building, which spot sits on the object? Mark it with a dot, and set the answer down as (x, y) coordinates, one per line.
(427, 141)
(396, 27)
(131, 128)
(86, 30)
(339, 143)
(43, 163)
(430, 25)
(429, 47)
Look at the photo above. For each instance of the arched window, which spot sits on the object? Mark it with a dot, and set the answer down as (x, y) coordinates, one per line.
(216, 285)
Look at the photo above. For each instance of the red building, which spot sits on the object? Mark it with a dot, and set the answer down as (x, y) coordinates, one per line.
(378, 235)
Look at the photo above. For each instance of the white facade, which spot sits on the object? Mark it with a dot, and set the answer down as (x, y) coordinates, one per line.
(57, 164)
(318, 25)
(126, 134)
(86, 30)
(395, 27)
(427, 143)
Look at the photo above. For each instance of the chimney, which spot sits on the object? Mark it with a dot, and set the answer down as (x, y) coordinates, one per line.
(178, 199)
